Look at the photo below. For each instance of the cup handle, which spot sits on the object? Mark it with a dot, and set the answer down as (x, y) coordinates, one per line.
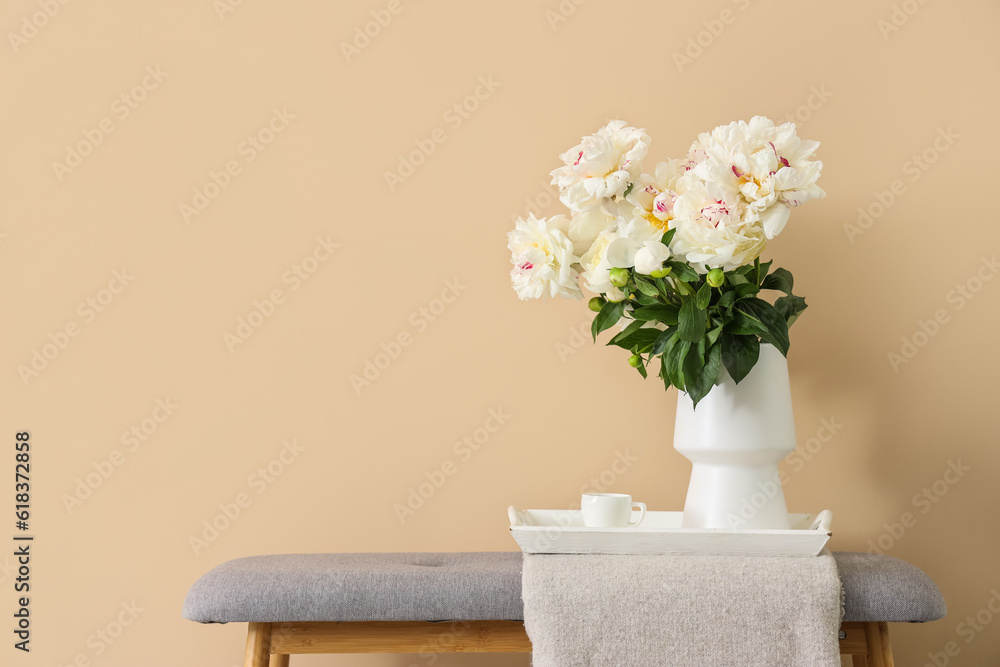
(642, 514)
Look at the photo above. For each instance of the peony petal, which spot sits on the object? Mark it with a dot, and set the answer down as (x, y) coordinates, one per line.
(621, 253)
(774, 219)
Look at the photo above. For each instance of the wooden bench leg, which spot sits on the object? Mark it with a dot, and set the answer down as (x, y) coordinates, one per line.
(279, 660)
(879, 651)
(258, 651)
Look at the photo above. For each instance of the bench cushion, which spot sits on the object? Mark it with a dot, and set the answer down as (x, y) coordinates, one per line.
(883, 588)
(360, 587)
(474, 587)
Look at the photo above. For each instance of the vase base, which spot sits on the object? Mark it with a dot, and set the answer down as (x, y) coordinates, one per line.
(735, 497)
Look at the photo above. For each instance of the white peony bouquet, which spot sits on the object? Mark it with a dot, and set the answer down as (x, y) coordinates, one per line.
(674, 255)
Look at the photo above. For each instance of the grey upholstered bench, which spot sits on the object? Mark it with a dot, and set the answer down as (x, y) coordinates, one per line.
(471, 602)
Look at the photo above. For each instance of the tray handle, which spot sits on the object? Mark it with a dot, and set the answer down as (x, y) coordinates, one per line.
(516, 517)
(823, 521)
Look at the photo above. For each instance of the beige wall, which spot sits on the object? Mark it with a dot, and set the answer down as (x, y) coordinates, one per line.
(876, 100)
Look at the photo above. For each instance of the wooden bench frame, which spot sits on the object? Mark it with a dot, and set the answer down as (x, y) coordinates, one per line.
(271, 644)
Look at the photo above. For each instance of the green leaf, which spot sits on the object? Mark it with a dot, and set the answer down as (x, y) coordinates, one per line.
(736, 279)
(610, 313)
(713, 335)
(682, 271)
(743, 325)
(739, 354)
(647, 288)
(692, 321)
(704, 296)
(663, 373)
(693, 364)
(776, 327)
(668, 236)
(742, 270)
(625, 333)
(790, 307)
(708, 375)
(644, 300)
(727, 299)
(642, 337)
(660, 344)
(746, 289)
(762, 270)
(642, 370)
(673, 358)
(780, 279)
(659, 313)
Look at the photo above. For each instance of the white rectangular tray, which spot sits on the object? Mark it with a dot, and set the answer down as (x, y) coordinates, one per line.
(563, 532)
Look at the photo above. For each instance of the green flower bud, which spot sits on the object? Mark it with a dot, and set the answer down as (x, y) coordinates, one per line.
(715, 277)
(596, 304)
(619, 277)
(635, 361)
(661, 273)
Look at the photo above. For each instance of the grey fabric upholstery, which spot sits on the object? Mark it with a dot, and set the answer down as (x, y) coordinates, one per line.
(360, 587)
(474, 586)
(883, 588)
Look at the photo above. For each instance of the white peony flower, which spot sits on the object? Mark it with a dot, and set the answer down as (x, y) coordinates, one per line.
(650, 257)
(653, 195)
(768, 165)
(615, 247)
(632, 235)
(543, 258)
(716, 228)
(601, 166)
(595, 267)
(584, 227)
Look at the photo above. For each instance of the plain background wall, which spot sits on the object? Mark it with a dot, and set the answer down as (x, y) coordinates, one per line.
(877, 98)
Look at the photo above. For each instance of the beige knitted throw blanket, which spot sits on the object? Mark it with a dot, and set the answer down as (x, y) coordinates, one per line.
(682, 610)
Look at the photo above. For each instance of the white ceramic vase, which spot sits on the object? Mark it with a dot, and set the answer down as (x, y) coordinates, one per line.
(735, 440)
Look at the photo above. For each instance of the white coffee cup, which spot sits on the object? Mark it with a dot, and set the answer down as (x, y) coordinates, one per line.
(610, 510)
